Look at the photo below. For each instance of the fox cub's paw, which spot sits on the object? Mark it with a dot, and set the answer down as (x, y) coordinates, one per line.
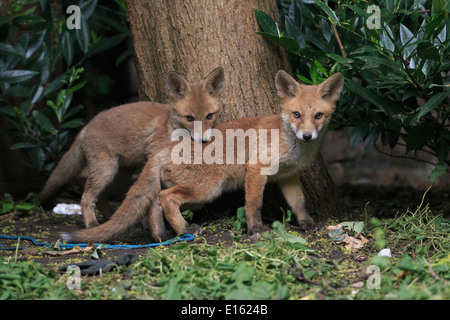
(164, 235)
(259, 229)
(310, 225)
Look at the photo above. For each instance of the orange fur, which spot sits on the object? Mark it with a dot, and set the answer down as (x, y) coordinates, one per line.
(123, 136)
(181, 184)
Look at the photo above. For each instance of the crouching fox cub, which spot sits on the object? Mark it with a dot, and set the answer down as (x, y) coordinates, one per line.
(163, 186)
(124, 135)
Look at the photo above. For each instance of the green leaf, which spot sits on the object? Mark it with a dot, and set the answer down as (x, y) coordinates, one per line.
(358, 133)
(438, 6)
(243, 273)
(321, 68)
(280, 231)
(434, 26)
(294, 31)
(406, 36)
(426, 50)
(356, 226)
(6, 205)
(77, 87)
(360, 12)
(262, 290)
(37, 93)
(373, 97)
(76, 123)
(239, 292)
(56, 84)
(25, 206)
(44, 59)
(266, 23)
(87, 8)
(432, 103)
(382, 262)
(105, 44)
(303, 79)
(344, 61)
(15, 76)
(67, 47)
(23, 145)
(439, 170)
(385, 39)
(7, 49)
(287, 43)
(43, 121)
(376, 61)
(409, 265)
(35, 43)
(72, 111)
(83, 35)
(314, 74)
(328, 11)
(52, 105)
(371, 138)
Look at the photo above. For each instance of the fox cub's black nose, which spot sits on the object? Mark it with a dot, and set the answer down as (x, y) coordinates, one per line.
(307, 136)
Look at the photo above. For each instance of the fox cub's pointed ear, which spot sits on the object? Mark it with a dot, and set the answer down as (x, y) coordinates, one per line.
(286, 86)
(331, 88)
(177, 85)
(213, 83)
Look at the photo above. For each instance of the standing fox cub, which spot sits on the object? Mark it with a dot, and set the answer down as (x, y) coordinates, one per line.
(124, 135)
(164, 186)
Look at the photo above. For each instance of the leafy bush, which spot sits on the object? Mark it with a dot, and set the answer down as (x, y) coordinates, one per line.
(395, 58)
(42, 52)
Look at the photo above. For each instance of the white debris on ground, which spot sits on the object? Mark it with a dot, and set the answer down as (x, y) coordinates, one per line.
(65, 208)
(385, 253)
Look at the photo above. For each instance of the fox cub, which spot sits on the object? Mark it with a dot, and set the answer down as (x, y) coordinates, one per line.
(163, 186)
(122, 136)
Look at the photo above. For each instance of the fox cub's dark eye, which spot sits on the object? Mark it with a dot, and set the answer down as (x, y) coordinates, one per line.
(318, 115)
(190, 118)
(296, 114)
(209, 116)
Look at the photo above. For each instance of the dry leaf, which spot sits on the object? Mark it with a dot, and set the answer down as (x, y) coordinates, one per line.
(338, 235)
(90, 247)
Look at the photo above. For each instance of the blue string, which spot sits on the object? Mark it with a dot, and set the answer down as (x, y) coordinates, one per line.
(184, 237)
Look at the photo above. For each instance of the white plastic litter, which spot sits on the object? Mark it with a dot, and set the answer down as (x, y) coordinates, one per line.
(65, 208)
(385, 253)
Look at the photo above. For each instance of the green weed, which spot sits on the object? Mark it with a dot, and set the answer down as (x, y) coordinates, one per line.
(225, 263)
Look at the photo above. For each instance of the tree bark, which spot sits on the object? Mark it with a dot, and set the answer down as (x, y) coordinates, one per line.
(194, 37)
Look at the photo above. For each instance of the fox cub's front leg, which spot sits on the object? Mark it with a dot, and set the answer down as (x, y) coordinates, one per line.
(156, 221)
(293, 194)
(171, 199)
(254, 189)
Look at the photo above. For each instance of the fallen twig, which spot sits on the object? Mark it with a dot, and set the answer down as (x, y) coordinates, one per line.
(298, 273)
(434, 274)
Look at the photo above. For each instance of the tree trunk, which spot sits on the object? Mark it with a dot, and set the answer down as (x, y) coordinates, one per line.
(194, 37)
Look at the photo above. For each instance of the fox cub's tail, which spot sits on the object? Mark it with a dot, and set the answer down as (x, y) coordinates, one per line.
(68, 168)
(136, 204)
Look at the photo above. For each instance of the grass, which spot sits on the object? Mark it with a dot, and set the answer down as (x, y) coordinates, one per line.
(223, 263)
